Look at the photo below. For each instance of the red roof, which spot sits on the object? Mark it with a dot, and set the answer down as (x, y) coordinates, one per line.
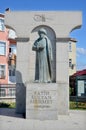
(79, 73)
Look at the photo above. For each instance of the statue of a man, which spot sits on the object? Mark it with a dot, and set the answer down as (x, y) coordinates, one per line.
(44, 57)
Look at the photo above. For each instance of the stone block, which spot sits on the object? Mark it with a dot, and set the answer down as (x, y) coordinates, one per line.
(41, 101)
(20, 98)
(63, 98)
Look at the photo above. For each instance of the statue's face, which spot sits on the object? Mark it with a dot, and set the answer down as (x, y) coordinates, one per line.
(42, 35)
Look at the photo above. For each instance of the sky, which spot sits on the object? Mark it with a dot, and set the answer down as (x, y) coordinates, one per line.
(56, 5)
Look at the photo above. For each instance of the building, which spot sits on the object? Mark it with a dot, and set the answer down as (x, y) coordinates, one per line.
(78, 83)
(7, 54)
(72, 56)
(7, 60)
(4, 51)
(12, 61)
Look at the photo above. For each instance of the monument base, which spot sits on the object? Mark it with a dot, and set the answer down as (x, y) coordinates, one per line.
(20, 98)
(41, 101)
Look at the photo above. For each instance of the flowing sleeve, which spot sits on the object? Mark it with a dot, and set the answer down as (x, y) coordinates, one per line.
(50, 49)
(41, 44)
(34, 47)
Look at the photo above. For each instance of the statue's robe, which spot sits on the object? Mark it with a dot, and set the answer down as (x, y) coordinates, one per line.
(43, 68)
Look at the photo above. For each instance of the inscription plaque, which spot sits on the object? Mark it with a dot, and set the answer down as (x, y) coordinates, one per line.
(41, 101)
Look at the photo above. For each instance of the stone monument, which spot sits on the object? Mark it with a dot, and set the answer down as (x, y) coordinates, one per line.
(41, 96)
(47, 96)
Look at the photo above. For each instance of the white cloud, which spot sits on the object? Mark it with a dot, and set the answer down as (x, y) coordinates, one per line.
(81, 51)
(78, 55)
(81, 58)
(81, 67)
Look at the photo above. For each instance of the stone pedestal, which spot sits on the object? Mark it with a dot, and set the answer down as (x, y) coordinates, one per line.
(20, 98)
(41, 101)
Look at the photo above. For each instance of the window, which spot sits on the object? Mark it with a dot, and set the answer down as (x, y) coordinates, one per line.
(2, 71)
(70, 63)
(70, 47)
(2, 27)
(12, 34)
(12, 72)
(2, 48)
(11, 92)
(85, 86)
(12, 55)
(2, 92)
(12, 49)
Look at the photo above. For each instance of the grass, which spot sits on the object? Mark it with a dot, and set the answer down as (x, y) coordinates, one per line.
(7, 105)
(73, 105)
(78, 105)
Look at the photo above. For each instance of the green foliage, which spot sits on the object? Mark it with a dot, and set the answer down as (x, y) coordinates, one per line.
(73, 105)
(4, 105)
(71, 91)
(7, 105)
(78, 105)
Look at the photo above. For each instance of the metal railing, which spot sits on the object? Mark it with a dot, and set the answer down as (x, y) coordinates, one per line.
(7, 92)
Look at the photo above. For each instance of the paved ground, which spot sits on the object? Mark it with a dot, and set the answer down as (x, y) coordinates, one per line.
(11, 121)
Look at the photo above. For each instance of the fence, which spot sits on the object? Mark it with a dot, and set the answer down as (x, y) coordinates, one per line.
(78, 99)
(7, 92)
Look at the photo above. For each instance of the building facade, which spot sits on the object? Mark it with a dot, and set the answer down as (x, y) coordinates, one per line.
(7, 54)
(4, 51)
(72, 56)
(7, 61)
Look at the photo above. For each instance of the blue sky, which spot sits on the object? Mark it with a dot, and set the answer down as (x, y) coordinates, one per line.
(59, 5)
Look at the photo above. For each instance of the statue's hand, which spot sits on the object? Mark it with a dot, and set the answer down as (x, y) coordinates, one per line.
(34, 48)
